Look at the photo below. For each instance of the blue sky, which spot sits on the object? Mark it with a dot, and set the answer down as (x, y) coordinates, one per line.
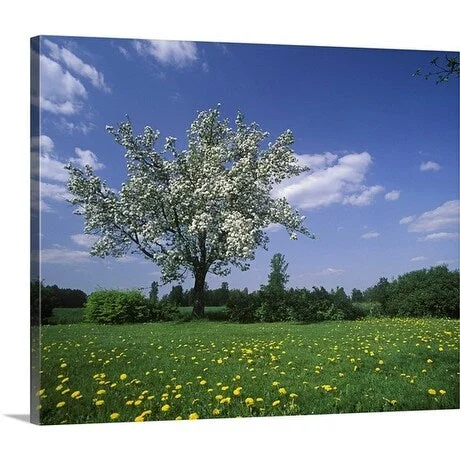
(383, 147)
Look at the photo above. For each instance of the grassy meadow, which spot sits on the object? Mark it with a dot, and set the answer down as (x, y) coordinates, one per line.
(205, 369)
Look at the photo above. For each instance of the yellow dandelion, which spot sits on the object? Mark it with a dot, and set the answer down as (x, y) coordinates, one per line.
(99, 402)
(282, 391)
(41, 392)
(193, 416)
(225, 400)
(146, 412)
(63, 365)
(275, 403)
(215, 412)
(203, 382)
(139, 418)
(123, 376)
(442, 392)
(380, 361)
(237, 391)
(114, 416)
(59, 387)
(65, 380)
(67, 390)
(165, 408)
(293, 395)
(138, 402)
(260, 399)
(101, 392)
(178, 417)
(224, 388)
(377, 369)
(432, 392)
(60, 404)
(429, 361)
(249, 402)
(178, 387)
(129, 403)
(275, 383)
(219, 397)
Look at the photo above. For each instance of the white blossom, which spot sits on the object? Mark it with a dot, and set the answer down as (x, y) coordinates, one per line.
(204, 208)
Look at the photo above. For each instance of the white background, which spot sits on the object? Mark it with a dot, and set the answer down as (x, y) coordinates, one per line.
(396, 24)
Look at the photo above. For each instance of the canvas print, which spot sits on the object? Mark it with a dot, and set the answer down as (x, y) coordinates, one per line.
(224, 230)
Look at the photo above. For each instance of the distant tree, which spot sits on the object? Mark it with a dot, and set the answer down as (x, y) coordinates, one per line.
(379, 293)
(153, 294)
(273, 299)
(176, 296)
(278, 277)
(425, 292)
(442, 71)
(199, 210)
(356, 295)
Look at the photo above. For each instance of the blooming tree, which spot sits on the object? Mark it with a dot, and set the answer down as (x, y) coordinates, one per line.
(198, 210)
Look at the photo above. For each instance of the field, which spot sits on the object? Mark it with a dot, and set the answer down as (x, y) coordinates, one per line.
(204, 369)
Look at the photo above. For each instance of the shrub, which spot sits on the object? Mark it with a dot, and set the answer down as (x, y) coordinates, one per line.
(163, 310)
(242, 306)
(117, 307)
(426, 292)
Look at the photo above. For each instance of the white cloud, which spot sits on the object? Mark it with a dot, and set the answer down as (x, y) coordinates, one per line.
(76, 65)
(370, 235)
(123, 51)
(42, 143)
(330, 180)
(430, 166)
(317, 161)
(63, 256)
(418, 259)
(273, 227)
(443, 217)
(54, 192)
(83, 127)
(393, 195)
(82, 239)
(86, 157)
(176, 53)
(52, 168)
(439, 236)
(406, 220)
(61, 92)
(331, 271)
(365, 197)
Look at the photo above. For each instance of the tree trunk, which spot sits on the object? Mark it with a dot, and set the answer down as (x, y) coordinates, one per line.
(198, 293)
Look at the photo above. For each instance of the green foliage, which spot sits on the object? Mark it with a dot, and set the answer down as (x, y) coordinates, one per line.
(273, 306)
(153, 294)
(442, 71)
(176, 296)
(321, 305)
(43, 299)
(278, 277)
(117, 307)
(242, 307)
(164, 310)
(432, 292)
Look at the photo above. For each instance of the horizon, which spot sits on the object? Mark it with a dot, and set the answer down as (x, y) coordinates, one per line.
(382, 193)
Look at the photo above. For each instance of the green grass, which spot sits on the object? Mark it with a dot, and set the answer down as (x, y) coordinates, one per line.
(334, 367)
